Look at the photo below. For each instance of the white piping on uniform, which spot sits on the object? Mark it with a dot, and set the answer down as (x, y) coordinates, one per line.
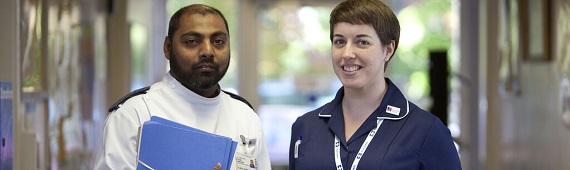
(322, 111)
(389, 118)
(323, 115)
(398, 118)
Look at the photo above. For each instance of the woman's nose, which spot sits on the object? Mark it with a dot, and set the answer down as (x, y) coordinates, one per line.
(348, 52)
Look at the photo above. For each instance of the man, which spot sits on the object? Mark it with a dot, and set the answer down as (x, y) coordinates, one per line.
(198, 49)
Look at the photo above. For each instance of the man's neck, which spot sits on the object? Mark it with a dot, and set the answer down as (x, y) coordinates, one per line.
(208, 92)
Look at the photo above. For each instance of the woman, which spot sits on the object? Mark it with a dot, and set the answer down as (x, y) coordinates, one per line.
(369, 124)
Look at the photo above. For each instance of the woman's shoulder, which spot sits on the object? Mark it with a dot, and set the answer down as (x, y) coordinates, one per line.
(421, 117)
(321, 111)
(310, 117)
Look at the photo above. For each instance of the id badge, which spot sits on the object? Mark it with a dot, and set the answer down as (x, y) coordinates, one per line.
(245, 162)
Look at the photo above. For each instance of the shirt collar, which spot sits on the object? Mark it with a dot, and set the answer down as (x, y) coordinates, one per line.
(394, 105)
(187, 94)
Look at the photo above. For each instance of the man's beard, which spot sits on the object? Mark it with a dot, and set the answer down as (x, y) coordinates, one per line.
(194, 78)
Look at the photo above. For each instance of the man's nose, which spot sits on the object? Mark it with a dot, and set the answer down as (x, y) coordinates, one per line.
(206, 49)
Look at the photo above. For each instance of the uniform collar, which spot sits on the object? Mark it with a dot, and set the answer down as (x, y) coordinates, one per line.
(187, 94)
(394, 105)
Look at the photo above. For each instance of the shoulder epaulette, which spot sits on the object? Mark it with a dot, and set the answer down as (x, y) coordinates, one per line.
(128, 96)
(235, 96)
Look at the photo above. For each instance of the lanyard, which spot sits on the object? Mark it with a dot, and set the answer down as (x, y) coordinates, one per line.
(360, 152)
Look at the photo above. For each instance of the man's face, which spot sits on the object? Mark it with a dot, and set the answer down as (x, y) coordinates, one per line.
(199, 51)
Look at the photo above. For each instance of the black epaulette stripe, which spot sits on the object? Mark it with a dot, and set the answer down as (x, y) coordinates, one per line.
(235, 96)
(128, 96)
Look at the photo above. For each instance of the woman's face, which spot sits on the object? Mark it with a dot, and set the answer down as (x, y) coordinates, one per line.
(358, 56)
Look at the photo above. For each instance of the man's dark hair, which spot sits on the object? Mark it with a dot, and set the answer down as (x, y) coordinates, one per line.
(192, 9)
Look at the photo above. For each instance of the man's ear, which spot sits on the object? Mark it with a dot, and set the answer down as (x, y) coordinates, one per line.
(167, 47)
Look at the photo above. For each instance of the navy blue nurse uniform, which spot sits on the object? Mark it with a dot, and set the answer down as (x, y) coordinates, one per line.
(409, 139)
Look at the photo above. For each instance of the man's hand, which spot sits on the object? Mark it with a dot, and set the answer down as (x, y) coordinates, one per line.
(217, 167)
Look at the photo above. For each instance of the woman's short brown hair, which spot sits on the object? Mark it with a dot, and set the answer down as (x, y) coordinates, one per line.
(370, 12)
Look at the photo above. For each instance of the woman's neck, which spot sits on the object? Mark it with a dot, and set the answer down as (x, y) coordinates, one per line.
(359, 104)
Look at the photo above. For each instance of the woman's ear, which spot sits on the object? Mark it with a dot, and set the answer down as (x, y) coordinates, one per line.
(389, 50)
(167, 47)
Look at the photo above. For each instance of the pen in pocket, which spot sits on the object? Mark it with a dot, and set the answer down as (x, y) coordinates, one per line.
(297, 146)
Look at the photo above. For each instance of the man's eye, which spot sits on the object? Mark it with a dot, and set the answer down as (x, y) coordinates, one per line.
(219, 41)
(190, 41)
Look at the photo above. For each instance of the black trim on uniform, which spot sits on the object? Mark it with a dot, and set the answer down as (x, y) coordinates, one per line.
(127, 97)
(145, 89)
(235, 96)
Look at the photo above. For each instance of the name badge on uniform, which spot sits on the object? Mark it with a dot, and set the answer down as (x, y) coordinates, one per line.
(393, 110)
(245, 162)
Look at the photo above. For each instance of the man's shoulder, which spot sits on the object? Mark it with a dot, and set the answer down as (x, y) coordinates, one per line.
(238, 98)
(132, 94)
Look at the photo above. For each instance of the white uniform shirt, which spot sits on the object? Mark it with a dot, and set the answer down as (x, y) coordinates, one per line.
(222, 115)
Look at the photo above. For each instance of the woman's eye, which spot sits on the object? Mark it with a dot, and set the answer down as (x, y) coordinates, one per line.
(339, 42)
(363, 43)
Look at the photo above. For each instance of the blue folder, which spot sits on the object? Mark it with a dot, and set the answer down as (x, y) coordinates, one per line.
(164, 144)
